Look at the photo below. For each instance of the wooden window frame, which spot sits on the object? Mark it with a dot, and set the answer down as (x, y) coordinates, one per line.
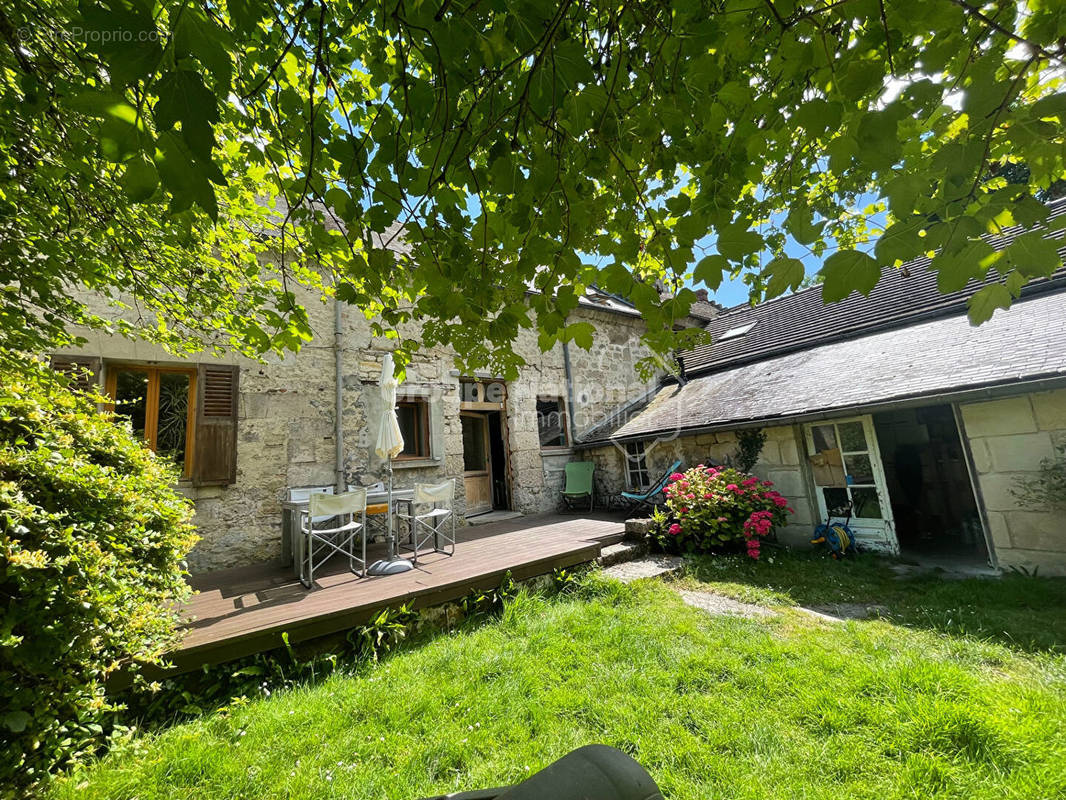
(424, 450)
(637, 468)
(151, 410)
(563, 422)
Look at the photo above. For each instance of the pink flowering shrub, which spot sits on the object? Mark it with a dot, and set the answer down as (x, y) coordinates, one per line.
(719, 508)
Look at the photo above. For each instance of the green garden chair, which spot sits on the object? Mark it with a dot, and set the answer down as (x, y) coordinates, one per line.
(578, 483)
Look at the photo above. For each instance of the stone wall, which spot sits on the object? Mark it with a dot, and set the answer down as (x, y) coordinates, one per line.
(287, 408)
(1008, 439)
(780, 461)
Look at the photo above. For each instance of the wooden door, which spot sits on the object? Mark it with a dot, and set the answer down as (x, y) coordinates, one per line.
(477, 463)
(846, 465)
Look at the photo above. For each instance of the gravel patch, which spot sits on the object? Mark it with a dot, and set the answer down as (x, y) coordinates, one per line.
(719, 605)
(839, 612)
(647, 567)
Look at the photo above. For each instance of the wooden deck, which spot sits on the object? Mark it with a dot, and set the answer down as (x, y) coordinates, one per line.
(246, 610)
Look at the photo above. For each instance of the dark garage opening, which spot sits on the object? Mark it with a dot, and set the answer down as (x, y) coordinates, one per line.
(928, 483)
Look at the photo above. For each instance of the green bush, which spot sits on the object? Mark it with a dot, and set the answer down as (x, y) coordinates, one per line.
(718, 509)
(92, 537)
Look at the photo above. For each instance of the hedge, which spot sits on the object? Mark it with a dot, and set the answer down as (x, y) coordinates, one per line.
(92, 537)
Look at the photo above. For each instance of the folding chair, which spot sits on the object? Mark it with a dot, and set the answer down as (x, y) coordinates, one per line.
(639, 499)
(377, 518)
(330, 526)
(439, 497)
(579, 482)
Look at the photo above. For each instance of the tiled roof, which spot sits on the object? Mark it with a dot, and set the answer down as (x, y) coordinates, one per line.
(799, 321)
(947, 354)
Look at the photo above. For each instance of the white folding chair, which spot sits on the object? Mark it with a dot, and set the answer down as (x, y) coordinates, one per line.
(377, 518)
(330, 526)
(430, 524)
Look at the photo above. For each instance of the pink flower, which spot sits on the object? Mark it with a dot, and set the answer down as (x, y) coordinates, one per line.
(708, 496)
(732, 487)
(780, 501)
(750, 482)
(684, 509)
(676, 476)
(767, 483)
(790, 510)
(675, 529)
(690, 497)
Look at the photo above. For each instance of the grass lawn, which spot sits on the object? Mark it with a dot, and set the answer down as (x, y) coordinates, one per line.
(959, 692)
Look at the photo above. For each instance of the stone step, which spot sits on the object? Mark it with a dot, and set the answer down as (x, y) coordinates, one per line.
(620, 552)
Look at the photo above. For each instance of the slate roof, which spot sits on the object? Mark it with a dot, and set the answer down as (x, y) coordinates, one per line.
(801, 320)
(1026, 343)
(796, 356)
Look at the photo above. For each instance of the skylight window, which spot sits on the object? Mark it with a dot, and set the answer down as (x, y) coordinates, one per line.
(737, 332)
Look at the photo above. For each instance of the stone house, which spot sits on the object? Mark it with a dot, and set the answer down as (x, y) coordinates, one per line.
(892, 404)
(244, 431)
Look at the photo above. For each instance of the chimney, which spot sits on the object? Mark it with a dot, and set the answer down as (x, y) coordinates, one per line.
(702, 294)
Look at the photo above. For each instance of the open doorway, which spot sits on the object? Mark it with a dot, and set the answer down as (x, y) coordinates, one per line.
(928, 483)
(484, 462)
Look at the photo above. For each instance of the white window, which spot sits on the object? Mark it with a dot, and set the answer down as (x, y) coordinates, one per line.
(737, 332)
(636, 466)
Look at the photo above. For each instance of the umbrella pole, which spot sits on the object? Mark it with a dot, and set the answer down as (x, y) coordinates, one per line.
(392, 564)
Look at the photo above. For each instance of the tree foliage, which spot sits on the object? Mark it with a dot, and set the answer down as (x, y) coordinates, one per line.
(92, 538)
(517, 145)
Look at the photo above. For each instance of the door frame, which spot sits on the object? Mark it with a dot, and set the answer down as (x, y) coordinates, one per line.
(877, 534)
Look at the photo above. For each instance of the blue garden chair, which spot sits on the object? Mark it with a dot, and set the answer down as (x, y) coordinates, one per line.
(639, 499)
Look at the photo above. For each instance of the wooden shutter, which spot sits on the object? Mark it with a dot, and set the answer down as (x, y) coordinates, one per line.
(84, 371)
(215, 452)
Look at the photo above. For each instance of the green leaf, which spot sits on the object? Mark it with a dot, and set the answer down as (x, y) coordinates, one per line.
(899, 242)
(786, 274)
(986, 300)
(709, 271)
(183, 177)
(1034, 255)
(183, 97)
(140, 180)
(246, 14)
(846, 271)
(1053, 105)
(16, 721)
(199, 36)
(125, 36)
(736, 241)
(571, 63)
(580, 333)
(800, 223)
(860, 78)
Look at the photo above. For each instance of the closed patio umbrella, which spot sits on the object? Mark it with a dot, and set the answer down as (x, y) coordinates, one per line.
(389, 445)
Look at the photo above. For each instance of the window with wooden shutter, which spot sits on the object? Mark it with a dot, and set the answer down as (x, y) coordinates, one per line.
(84, 371)
(158, 402)
(215, 451)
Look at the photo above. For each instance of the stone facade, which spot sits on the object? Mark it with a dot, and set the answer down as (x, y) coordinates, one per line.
(287, 410)
(1008, 438)
(780, 461)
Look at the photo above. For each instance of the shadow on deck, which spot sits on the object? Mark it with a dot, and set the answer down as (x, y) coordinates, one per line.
(245, 610)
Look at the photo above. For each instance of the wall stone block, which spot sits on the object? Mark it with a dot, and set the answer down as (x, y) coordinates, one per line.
(999, 417)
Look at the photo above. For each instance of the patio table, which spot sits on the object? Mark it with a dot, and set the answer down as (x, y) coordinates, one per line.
(291, 510)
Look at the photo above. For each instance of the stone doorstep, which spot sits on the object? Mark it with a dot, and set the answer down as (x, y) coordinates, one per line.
(646, 567)
(621, 552)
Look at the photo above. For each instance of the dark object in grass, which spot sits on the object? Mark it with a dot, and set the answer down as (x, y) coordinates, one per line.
(592, 772)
